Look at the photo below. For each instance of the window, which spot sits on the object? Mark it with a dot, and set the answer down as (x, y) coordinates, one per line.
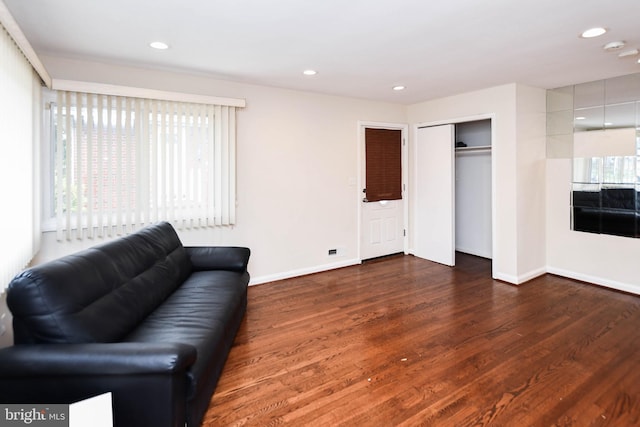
(122, 162)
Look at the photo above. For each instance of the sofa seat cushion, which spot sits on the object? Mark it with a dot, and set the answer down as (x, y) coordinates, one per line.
(201, 313)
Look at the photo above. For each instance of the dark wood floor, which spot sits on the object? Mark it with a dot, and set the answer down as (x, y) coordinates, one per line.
(406, 342)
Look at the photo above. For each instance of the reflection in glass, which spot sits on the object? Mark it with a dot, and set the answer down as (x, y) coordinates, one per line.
(605, 195)
(588, 119)
(591, 94)
(618, 170)
(620, 115)
(605, 116)
(587, 170)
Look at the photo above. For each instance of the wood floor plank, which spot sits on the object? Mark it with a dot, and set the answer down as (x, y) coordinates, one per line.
(405, 342)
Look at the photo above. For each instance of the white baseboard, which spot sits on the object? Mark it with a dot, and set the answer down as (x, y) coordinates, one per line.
(532, 274)
(600, 281)
(620, 286)
(302, 272)
(522, 278)
(506, 278)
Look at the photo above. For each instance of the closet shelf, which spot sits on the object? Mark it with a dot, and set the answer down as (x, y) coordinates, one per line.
(475, 148)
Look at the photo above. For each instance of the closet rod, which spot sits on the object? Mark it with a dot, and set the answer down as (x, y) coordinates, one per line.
(477, 148)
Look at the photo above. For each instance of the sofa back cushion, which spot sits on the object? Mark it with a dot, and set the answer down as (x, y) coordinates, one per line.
(99, 294)
(619, 198)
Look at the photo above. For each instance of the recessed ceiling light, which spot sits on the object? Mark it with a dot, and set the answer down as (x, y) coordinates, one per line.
(309, 72)
(159, 45)
(619, 44)
(630, 52)
(399, 87)
(593, 32)
(608, 124)
(580, 118)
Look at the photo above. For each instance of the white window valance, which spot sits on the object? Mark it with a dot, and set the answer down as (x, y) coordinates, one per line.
(144, 93)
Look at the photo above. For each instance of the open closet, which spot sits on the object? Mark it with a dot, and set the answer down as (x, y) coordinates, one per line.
(473, 188)
(453, 206)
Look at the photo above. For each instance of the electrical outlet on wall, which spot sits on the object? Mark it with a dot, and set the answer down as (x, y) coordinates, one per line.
(336, 252)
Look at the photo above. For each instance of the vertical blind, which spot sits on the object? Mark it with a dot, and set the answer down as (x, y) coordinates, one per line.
(19, 135)
(123, 162)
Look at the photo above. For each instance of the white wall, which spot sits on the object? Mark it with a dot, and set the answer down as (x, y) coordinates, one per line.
(297, 168)
(596, 258)
(530, 172)
(517, 256)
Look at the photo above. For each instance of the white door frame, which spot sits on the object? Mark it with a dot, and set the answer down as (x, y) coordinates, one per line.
(404, 128)
(495, 149)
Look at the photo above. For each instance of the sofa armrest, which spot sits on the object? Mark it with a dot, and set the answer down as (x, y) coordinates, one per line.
(232, 258)
(95, 359)
(148, 382)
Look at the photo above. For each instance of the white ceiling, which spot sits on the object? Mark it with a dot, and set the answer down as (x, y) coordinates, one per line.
(360, 48)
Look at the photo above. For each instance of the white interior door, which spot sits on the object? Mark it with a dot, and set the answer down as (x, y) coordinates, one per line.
(382, 221)
(383, 230)
(434, 237)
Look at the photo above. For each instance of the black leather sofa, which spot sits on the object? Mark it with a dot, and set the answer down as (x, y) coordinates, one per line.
(141, 317)
(613, 211)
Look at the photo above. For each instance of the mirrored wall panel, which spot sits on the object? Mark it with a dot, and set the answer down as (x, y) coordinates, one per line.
(597, 124)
